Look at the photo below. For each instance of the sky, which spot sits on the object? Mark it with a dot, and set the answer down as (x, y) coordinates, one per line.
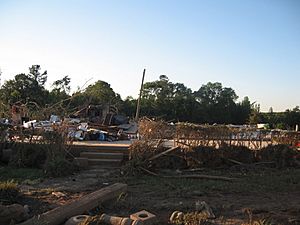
(250, 46)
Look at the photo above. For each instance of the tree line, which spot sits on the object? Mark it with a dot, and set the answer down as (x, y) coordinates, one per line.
(211, 103)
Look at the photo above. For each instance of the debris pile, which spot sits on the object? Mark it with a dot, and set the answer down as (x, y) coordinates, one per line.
(94, 122)
(204, 146)
(145, 155)
(151, 129)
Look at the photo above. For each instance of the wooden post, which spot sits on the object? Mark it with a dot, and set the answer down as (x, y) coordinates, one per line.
(60, 214)
(137, 114)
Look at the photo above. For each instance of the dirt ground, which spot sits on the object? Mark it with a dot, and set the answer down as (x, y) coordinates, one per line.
(263, 194)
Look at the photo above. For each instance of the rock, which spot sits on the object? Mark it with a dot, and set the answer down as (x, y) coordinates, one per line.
(15, 212)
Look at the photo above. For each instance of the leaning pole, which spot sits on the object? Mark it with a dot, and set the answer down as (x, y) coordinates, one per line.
(138, 106)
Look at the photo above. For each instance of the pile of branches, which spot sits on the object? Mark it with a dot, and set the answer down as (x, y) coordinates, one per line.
(155, 129)
(286, 137)
(140, 153)
(192, 135)
(146, 155)
(206, 146)
(281, 156)
(277, 156)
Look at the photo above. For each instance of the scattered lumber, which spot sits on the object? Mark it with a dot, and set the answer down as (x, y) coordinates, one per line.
(192, 176)
(192, 170)
(163, 153)
(202, 176)
(235, 161)
(60, 214)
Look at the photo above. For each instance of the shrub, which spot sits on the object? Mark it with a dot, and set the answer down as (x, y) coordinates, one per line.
(8, 191)
(59, 166)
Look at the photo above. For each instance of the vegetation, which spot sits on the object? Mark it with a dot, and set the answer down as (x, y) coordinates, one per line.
(20, 174)
(8, 191)
(211, 103)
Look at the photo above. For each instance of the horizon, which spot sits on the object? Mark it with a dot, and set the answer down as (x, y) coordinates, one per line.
(252, 47)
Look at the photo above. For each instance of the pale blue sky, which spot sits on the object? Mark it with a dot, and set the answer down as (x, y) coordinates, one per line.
(251, 46)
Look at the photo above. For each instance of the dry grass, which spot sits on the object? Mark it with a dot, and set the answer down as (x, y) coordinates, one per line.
(8, 191)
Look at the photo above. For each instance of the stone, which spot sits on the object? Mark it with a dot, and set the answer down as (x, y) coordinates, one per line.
(12, 213)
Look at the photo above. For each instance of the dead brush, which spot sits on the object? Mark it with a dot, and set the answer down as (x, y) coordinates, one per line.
(93, 220)
(139, 154)
(190, 135)
(151, 129)
(282, 155)
(262, 221)
(42, 148)
(57, 147)
(191, 218)
(8, 191)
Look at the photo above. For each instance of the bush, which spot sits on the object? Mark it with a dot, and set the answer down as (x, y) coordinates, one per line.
(28, 155)
(58, 167)
(282, 155)
(8, 191)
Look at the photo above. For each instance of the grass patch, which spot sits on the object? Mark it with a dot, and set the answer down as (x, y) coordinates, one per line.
(8, 191)
(268, 181)
(20, 174)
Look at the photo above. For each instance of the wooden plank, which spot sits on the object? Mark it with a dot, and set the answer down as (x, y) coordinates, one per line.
(163, 153)
(192, 176)
(60, 214)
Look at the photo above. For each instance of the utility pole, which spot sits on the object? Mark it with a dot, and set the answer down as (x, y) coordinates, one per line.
(137, 114)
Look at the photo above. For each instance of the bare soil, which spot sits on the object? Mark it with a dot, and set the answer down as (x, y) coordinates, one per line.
(264, 193)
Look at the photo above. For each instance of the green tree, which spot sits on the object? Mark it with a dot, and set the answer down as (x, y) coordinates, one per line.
(217, 102)
(96, 94)
(255, 116)
(62, 85)
(292, 117)
(60, 90)
(128, 106)
(26, 88)
(101, 93)
(34, 74)
(243, 111)
(171, 101)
